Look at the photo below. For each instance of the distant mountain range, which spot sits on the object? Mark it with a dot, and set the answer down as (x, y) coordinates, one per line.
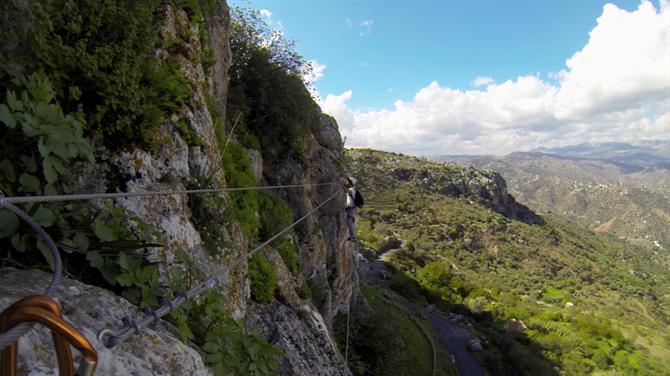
(614, 187)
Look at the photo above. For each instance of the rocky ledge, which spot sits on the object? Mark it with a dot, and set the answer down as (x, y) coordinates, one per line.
(156, 351)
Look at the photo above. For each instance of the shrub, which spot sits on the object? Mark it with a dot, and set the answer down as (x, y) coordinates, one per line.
(288, 251)
(239, 173)
(263, 278)
(274, 215)
(99, 56)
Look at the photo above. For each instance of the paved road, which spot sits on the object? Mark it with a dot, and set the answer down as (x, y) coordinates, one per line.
(453, 337)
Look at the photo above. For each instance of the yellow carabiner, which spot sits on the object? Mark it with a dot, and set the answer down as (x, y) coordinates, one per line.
(44, 310)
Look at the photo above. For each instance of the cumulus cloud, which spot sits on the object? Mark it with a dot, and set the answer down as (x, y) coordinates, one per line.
(367, 27)
(265, 13)
(482, 81)
(616, 88)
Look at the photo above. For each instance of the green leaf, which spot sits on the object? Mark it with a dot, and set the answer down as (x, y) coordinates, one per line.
(29, 183)
(211, 347)
(125, 279)
(49, 171)
(6, 116)
(124, 261)
(46, 252)
(9, 223)
(13, 103)
(44, 216)
(95, 259)
(19, 242)
(8, 170)
(102, 231)
(110, 271)
(29, 164)
(81, 242)
(50, 190)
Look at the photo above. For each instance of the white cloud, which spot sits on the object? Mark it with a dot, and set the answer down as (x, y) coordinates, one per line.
(367, 27)
(482, 81)
(348, 21)
(265, 13)
(616, 88)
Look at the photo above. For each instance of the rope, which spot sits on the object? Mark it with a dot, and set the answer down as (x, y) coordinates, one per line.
(16, 332)
(111, 339)
(93, 196)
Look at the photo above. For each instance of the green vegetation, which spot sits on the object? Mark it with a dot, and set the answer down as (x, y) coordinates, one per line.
(383, 340)
(266, 67)
(99, 57)
(229, 350)
(239, 174)
(591, 303)
(275, 215)
(597, 194)
(50, 144)
(289, 253)
(263, 278)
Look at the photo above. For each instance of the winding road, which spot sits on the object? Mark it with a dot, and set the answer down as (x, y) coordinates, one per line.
(453, 337)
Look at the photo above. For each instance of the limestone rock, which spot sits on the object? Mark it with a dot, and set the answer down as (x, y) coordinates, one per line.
(156, 351)
(303, 337)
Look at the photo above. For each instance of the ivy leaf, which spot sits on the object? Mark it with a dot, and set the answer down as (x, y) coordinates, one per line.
(44, 216)
(19, 242)
(95, 259)
(29, 183)
(46, 252)
(6, 116)
(81, 242)
(9, 223)
(103, 232)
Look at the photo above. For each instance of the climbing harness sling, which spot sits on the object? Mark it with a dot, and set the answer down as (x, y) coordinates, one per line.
(44, 310)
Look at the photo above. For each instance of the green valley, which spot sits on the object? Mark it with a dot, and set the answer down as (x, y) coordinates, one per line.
(589, 303)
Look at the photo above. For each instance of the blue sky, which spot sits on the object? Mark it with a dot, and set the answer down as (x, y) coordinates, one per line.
(384, 53)
(412, 43)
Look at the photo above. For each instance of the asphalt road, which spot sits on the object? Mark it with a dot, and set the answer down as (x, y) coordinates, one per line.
(453, 337)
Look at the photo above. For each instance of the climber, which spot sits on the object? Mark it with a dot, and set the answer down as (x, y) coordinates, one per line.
(354, 200)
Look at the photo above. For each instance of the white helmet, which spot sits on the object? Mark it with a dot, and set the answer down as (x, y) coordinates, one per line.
(352, 180)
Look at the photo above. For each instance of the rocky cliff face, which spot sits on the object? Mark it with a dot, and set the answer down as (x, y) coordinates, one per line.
(300, 327)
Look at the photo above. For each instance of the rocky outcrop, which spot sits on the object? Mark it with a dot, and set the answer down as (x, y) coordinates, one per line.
(303, 337)
(157, 351)
(327, 261)
(485, 187)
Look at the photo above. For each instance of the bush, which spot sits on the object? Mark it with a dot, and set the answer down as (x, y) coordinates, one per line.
(260, 74)
(274, 215)
(99, 56)
(288, 251)
(263, 278)
(239, 174)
